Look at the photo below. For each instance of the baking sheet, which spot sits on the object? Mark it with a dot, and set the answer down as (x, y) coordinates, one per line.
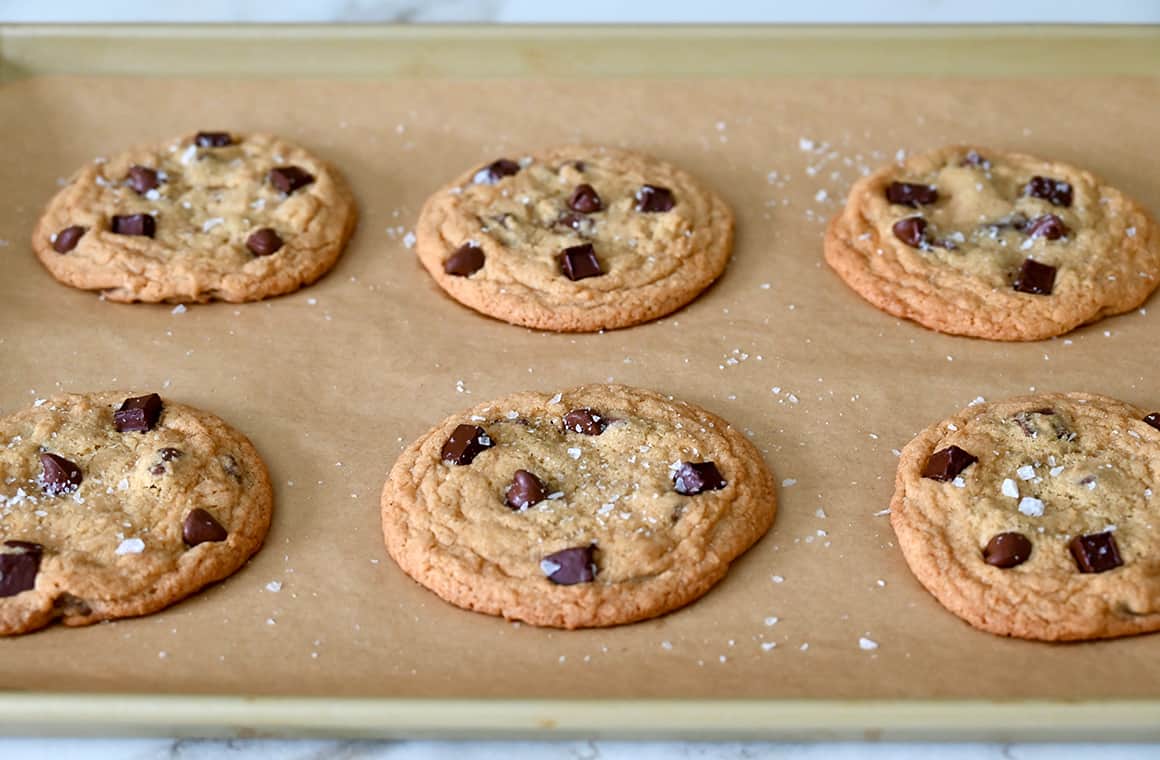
(332, 382)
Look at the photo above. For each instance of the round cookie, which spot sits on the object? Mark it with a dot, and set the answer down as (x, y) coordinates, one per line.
(597, 506)
(972, 241)
(230, 217)
(575, 239)
(1037, 516)
(114, 505)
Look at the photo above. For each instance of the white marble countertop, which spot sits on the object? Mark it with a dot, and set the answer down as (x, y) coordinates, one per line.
(524, 11)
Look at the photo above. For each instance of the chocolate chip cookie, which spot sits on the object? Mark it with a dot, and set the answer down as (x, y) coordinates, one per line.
(575, 239)
(972, 241)
(226, 216)
(114, 505)
(596, 506)
(1037, 517)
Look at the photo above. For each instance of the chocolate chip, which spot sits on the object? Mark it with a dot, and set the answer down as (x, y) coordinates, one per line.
(911, 230)
(1034, 422)
(138, 415)
(495, 171)
(67, 605)
(58, 475)
(526, 489)
(1035, 278)
(911, 194)
(230, 465)
(1153, 419)
(168, 454)
(68, 238)
(570, 566)
(213, 139)
(974, 159)
(1095, 553)
(692, 478)
(287, 179)
(264, 242)
(580, 262)
(18, 568)
(1047, 226)
(1007, 550)
(652, 199)
(585, 421)
(142, 179)
(465, 261)
(1057, 192)
(578, 222)
(134, 224)
(465, 443)
(200, 527)
(946, 464)
(585, 200)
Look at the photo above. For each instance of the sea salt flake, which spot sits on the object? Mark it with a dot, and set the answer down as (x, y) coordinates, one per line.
(1026, 472)
(179, 309)
(409, 240)
(274, 586)
(1031, 506)
(867, 644)
(574, 453)
(131, 546)
(788, 482)
(1010, 488)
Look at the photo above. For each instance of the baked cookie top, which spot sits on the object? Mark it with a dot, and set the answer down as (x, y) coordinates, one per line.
(226, 216)
(596, 506)
(973, 241)
(1038, 516)
(116, 504)
(575, 239)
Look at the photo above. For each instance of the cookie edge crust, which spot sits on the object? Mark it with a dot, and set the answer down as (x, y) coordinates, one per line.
(211, 562)
(639, 305)
(134, 287)
(583, 605)
(890, 295)
(996, 614)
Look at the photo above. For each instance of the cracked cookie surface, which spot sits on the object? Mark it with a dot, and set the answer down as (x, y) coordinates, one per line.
(1037, 516)
(213, 216)
(111, 509)
(1004, 246)
(575, 239)
(596, 506)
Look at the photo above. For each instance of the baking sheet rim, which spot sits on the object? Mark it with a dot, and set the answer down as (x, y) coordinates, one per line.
(45, 713)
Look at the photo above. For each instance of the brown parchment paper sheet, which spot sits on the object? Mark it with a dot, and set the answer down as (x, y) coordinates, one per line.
(331, 382)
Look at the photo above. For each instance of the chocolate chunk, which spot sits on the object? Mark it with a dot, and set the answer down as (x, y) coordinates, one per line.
(579, 262)
(1035, 278)
(946, 464)
(911, 194)
(495, 171)
(230, 465)
(585, 200)
(200, 527)
(1057, 192)
(58, 475)
(264, 242)
(18, 568)
(138, 415)
(68, 238)
(1095, 553)
(142, 179)
(1047, 226)
(692, 478)
(213, 139)
(1034, 422)
(653, 199)
(974, 159)
(1007, 550)
(287, 179)
(526, 489)
(1153, 419)
(578, 222)
(168, 454)
(585, 421)
(465, 443)
(134, 224)
(570, 566)
(465, 261)
(911, 230)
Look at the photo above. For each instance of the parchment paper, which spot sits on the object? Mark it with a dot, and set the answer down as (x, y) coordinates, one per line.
(333, 381)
